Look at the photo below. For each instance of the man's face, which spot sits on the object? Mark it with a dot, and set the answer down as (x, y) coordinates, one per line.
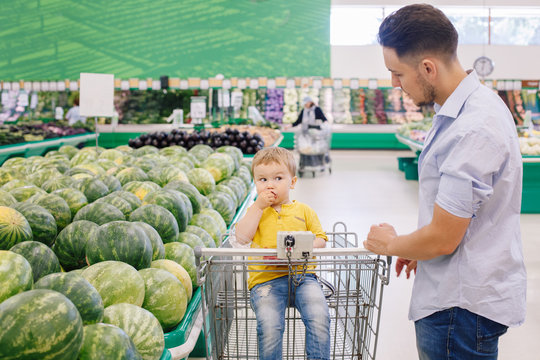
(408, 77)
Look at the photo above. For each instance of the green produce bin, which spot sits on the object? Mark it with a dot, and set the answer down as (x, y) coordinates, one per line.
(166, 355)
(180, 335)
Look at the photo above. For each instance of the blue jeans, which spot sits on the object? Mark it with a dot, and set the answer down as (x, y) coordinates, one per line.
(457, 333)
(269, 301)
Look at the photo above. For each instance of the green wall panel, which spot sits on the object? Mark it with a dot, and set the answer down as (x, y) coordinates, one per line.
(58, 39)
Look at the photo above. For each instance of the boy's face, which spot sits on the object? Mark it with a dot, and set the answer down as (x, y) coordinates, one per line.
(276, 179)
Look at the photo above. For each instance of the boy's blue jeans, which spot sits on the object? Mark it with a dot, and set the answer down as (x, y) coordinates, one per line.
(269, 300)
(457, 333)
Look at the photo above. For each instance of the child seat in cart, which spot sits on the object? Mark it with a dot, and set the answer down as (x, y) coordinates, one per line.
(312, 142)
(352, 280)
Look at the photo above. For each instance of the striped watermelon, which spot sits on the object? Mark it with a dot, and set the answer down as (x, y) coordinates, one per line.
(189, 190)
(60, 182)
(162, 176)
(5, 176)
(202, 179)
(60, 163)
(158, 250)
(172, 201)
(77, 289)
(93, 167)
(93, 188)
(120, 241)
(145, 150)
(40, 324)
(112, 183)
(145, 163)
(234, 152)
(15, 183)
(165, 297)
(118, 203)
(70, 245)
(131, 174)
(41, 222)
(172, 150)
(41, 258)
(236, 185)
(187, 203)
(99, 213)
(202, 234)
(201, 151)
(208, 223)
(106, 341)
(229, 191)
(183, 254)
(217, 218)
(205, 203)
(220, 165)
(23, 193)
(56, 205)
(190, 239)
(44, 174)
(159, 218)
(6, 199)
(141, 326)
(244, 174)
(224, 204)
(73, 197)
(141, 188)
(15, 274)
(112, 154)
(14, 228)
(68, 150)
(107, 165)
(131, 198)
(178, 271)
(116, 282)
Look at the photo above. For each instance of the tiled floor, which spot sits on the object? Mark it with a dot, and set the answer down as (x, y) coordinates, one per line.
(366, 188)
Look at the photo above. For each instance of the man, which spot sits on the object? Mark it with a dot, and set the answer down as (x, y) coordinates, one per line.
(470, 282)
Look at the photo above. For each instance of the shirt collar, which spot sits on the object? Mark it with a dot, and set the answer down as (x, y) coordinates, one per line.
(452, 106)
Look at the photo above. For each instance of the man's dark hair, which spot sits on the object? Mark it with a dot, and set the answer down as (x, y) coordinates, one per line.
(417, 30)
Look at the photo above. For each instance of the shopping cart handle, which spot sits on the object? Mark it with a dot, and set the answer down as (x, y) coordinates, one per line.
(199, 252)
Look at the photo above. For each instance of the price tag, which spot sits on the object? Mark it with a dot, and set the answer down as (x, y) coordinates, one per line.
(22, 99)
(242, 83)
(304, 82)
(317, 83)
(254, 83)
(114, 119)
(44, 86)
(290, 84)
(517, 84)
(27, 86)
(143, 85)
(61, 86)
(5, 96)
(354, 84)
(184, 84)
(226, 84)
(204, 84)
(36, 86)
(7, 86)
(501, 85)
(52, 86)
(198, 109)
(15, 86)
(156, 85)
(509, 85)
(33, 101)
(338, 84)
(74, 85)
(271, 84)
(178, 117)
(124, 85)
(373, 84)
(236, 99)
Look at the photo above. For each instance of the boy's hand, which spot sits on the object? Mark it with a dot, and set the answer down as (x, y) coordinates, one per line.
(265, 199)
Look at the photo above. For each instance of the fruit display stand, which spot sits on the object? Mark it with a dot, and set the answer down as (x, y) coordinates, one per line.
(38, 148)
(530, 201)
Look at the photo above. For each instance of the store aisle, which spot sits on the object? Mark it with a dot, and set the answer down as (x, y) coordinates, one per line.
(366, 188)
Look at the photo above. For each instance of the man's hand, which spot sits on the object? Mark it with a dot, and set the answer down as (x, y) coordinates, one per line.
(409, 264)
(379, 238)
(265, 199)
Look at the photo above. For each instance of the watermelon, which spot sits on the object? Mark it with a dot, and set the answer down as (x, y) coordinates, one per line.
(5, 176)
(217, 218)
(40, 324)
(99, 213)
(56, 205)
(202, 179)
(237, 185)
(15, 183)
(112, 154)
(41, 258)
(121, 241)
(15, 274)
(141, 326)
(93, 188)
(118, 203)
(141, 188)
(111, 182)
(165, 297)
(144, 163)
(202, 234)
(41, 222)
(83, 157)
(172, 150)
(178, 271)
(93, 167)
(73, 172)
(75, 199)
(159, 218)
(44, 174)
(14, 228)
(107, 165)
(131, 174)
(189, 190)
(183, 255)
(13, 161)
(224, 204)
(171, 201)
(6, 199)
(60, 163)
(234, 152)
(201, 152)
(208, 223)
(68, 150)
(23, 193)
(158, 250)
(162, 176)
(70, 245)
(77, 289)
(228, 190)
(124, 148)
(190, 239)
(205, 203)
(106, 341)
(187, 203)
(131, 198)
(115, 169)
(59, 182)
(116, 282)
(244, 174)
(220, 165)
(144, 150)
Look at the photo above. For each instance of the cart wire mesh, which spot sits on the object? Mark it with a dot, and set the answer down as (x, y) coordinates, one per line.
(352, 281)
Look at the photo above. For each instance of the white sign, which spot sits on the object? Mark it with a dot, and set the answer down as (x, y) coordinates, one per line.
(224, 98)
(226, 84)
(338, 83)
(254, 83)
(242, 83)
(143, 85)
(317, 83)
(156, 85)
(236, 99)
(198, 109)
(7, 86)
(124, 85)
(354, 84)
(271, 83)
(36, 86)
(291, 84)
(97, 95)
(184, 85)
(52, 86)
(33, 101)
(204, 84)
(517, 84)
(501, 85)
(15, 86)
(22, 99)
(27, 86)
(61, 85)
(373, 84)
(44, 86)
(178, 117)
(74, 85)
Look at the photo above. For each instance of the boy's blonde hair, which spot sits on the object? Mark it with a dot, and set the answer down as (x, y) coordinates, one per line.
(275, 155)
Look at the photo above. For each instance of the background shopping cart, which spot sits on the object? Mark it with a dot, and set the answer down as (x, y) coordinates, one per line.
(313, 147)
(352, 281)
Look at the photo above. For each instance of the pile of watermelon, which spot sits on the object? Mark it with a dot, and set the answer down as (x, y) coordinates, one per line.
(96, 245)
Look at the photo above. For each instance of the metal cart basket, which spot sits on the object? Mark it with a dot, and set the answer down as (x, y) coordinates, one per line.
(352, 280)
(313, 147)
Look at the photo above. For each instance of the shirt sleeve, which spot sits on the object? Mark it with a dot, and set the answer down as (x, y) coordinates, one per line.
(314, 225)
(468, 173)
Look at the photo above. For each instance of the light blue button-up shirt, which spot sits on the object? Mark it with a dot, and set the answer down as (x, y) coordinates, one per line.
(471, 166)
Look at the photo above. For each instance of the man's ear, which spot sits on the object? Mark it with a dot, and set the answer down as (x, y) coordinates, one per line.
(293, 182)
(428, 69)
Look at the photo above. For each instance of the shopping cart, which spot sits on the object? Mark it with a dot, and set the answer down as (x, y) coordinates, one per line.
(313, 146)
(352, 280)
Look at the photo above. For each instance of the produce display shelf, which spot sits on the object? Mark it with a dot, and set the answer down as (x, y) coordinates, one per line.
(530, 198)
(166, 355)
(39, 148)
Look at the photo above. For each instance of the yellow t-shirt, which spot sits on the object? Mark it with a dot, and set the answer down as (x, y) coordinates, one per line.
(292, 217)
